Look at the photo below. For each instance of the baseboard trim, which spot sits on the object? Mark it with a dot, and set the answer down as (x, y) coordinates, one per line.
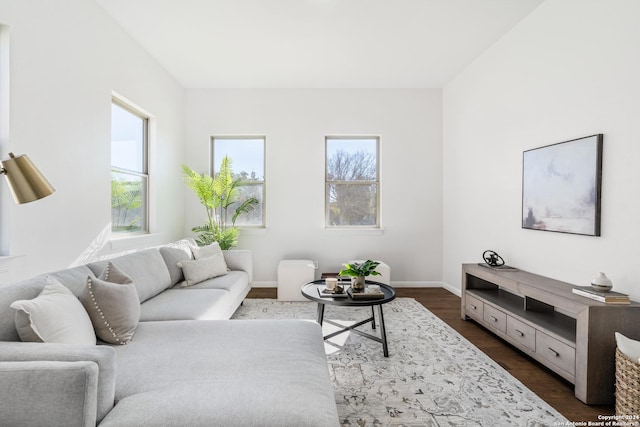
(398, 284)
(415, 284)
(264, 284)
(452, 289)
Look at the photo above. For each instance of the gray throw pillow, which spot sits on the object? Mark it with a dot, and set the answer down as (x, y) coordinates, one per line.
(199, 270)
(113, 305)
(54, 316)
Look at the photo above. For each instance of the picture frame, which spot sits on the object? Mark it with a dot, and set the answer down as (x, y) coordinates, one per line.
(562, 186)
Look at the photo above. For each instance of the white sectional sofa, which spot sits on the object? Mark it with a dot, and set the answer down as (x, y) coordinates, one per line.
(185, 365)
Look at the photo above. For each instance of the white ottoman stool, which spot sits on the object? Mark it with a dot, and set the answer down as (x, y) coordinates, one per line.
(292, 274)
(383, 269)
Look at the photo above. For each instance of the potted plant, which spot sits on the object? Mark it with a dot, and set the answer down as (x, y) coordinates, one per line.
(358, 271)
(217, 195)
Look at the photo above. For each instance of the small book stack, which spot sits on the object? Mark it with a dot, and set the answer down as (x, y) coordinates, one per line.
(328, 293)
(368, 293)
(606, 297)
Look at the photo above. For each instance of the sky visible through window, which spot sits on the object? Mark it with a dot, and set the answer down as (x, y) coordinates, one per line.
(247, 155)
(127, 140)
(350, 146)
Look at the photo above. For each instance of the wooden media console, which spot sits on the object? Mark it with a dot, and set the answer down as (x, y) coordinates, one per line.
(570, 334)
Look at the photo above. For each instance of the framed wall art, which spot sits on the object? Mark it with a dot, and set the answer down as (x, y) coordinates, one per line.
(561, 186)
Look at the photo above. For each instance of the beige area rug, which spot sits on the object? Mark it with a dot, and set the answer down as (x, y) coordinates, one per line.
(432, 377)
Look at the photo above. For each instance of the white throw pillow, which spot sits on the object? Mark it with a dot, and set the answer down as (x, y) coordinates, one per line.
(206, 251)
(628, 347)
(54, 316)
(199, 270)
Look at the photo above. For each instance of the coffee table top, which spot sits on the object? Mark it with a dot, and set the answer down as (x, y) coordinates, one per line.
(310, 291)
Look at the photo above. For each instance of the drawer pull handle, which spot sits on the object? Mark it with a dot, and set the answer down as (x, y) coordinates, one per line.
(520, 332)
(494, 318)
(474, 307)
(555, 353)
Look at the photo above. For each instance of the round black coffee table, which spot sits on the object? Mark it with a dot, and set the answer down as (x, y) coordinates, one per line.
(312, 291)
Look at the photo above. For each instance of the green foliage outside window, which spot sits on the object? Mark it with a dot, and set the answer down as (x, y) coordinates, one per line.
(126, 203)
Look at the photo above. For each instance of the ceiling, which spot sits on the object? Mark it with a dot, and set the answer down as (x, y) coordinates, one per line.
(316, 43)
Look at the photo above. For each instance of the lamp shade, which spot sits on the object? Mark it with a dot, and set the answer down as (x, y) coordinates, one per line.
(25, 180)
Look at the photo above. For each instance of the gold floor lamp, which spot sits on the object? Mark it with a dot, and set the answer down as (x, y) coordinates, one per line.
(26, 182)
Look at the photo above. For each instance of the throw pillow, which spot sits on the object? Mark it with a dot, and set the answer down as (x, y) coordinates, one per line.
(113, 305)
(54, 316)
(199, 270)
(628, 347)
(206, 251)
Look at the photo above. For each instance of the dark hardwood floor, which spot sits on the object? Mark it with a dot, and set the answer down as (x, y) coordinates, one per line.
(550, 387)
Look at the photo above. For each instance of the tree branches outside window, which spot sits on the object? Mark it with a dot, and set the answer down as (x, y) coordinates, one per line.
(352, 185)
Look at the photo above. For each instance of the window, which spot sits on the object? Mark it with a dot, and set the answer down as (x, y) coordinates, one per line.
(352, 186)
(246, 158)
(129, 169)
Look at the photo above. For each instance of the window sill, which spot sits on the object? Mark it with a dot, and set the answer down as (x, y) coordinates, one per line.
(7, 258)
(355, 231)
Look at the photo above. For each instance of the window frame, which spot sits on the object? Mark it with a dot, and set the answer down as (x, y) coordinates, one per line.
(212, 166)
(327, 182)
(144, 175)
(5, 130)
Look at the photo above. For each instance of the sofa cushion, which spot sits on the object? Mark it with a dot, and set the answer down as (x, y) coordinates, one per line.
(74, 279)
(54, 316)
(174, 252)
(112, 303)
(146, 268)
(235, 282)
(179, 304)
(198, 270)
(278, 368)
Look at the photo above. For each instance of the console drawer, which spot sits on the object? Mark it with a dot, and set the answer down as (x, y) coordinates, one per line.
(473, 306)
(556, 352)
(521, 332)
(495, 318)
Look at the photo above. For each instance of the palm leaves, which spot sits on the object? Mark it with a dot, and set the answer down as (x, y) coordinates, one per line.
(245, 207)
(218, 195)
(126, 197)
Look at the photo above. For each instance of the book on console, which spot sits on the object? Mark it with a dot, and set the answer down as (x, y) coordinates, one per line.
(610, 297)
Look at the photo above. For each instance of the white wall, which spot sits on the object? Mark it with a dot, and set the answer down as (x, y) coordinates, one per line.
(295, 123)
(570, 69)
(66, 58)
